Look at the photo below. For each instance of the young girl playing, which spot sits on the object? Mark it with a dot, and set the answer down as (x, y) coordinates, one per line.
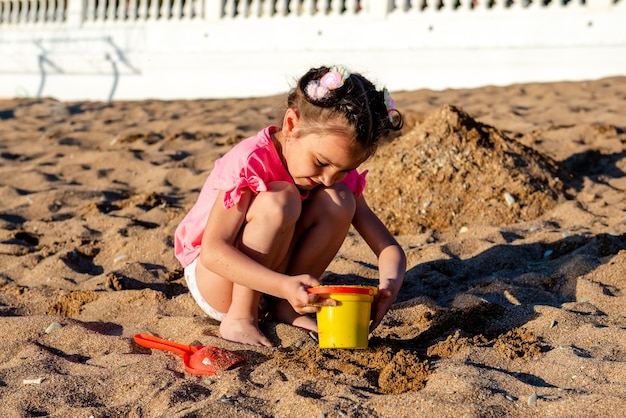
(277, 207)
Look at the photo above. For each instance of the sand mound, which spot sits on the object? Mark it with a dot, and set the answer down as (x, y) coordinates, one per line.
(451, 171)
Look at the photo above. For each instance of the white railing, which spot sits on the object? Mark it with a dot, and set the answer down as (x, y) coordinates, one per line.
(292, 8)
(141, 10)
(42, 12)
(49, 11)
(216, 48)
(32, 11)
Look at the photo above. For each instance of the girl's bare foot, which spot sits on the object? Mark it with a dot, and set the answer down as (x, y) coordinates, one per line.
(281, 311)
(243, 330)
(305, 322)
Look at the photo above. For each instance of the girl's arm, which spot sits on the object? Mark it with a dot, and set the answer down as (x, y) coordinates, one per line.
(391, 258)
(220, 255)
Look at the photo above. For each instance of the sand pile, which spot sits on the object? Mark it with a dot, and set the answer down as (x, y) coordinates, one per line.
(451, 171)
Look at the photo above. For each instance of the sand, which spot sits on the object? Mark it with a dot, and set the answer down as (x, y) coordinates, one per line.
(509, 202)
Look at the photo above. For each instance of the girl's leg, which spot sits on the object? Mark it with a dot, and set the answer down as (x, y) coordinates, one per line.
(240, 303)
(326, 218)
(266, 236)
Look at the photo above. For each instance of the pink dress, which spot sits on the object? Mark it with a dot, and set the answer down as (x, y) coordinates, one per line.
(252, 164)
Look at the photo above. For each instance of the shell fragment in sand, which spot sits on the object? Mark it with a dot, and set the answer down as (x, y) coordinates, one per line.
(36, 381)
(512, 299)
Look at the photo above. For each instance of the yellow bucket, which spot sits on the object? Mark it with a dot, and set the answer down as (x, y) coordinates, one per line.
(347, 324)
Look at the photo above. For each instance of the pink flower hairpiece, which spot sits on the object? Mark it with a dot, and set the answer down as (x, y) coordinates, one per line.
(332, 80)
(389, 103)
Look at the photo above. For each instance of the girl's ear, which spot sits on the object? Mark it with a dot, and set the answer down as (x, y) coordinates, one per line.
(290, 122)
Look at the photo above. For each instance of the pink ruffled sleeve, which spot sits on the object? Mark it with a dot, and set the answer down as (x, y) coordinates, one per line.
(355, 181)
(232, 196)
(253, 175)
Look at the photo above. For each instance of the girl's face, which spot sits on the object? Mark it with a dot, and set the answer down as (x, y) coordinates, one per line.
(321, 160)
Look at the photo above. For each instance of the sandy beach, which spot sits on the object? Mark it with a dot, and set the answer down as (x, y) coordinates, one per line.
(510, 203)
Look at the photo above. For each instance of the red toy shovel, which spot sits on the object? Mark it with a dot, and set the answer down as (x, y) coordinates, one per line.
(198, 359)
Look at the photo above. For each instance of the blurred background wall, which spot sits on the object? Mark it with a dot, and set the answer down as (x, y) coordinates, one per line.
(170, 49)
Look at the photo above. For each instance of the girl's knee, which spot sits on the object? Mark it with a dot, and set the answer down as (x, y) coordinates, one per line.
(336, 202)
(279, 204)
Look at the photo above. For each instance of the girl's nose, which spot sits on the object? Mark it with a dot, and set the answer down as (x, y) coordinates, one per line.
(328, 178)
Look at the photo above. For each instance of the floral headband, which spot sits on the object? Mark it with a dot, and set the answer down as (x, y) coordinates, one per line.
(389, 103)
(332, 80)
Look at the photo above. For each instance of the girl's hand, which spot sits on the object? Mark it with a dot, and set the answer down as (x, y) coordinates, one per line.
(302, 301)
(387, 293)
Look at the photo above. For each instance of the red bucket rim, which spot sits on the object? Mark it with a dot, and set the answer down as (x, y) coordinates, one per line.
(353, 289)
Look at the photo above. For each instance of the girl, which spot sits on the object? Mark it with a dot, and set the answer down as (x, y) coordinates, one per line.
(276, 208)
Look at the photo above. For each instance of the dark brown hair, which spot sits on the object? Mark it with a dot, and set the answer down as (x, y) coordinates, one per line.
(357, 109)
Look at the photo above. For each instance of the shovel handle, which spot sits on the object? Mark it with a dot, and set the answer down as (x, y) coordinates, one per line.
(150, 341)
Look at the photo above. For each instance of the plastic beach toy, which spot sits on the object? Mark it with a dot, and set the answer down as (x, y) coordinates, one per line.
(198, 359)
(345, 325)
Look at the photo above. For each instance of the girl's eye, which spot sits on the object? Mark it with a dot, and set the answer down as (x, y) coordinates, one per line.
(320, 164)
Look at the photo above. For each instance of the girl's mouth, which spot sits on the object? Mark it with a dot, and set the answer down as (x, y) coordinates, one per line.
(312, 182)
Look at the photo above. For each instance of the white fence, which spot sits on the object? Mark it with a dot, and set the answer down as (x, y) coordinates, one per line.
(134, 49)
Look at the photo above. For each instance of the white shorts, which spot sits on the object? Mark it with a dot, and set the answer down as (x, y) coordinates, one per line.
(192, 284)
